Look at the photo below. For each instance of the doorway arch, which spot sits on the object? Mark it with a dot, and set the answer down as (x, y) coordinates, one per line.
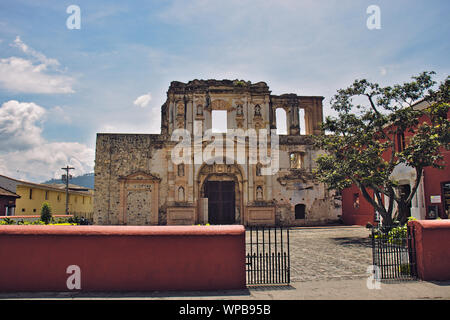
(228, 178)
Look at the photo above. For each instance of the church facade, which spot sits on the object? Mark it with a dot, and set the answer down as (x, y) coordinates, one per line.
(190, 174)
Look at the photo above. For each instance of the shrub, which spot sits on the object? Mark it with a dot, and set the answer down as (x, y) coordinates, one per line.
(46, 213)
(394, 235)
(6, 221)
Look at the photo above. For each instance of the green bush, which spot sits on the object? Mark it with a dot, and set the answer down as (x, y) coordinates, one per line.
(395, 235)
(46, 213)
(6, 221)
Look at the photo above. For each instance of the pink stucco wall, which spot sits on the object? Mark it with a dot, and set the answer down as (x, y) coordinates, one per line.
(122, 258)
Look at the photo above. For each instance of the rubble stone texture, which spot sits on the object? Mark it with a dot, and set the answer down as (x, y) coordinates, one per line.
(136, 182)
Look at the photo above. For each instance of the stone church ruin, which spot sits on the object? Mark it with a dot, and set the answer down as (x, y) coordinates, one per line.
(138, 183)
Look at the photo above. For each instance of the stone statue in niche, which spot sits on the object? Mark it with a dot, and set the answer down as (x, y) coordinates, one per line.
(180, 194)
(257, 110)
(258, 169)
(259, 193)
(199, 110)
(239, 111)
(208, 100)
(181, 170)
(180, 108)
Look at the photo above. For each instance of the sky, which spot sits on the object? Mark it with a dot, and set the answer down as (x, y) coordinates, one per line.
(59, 86)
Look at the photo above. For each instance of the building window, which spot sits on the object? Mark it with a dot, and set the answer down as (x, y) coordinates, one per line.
(356, 200)
(300, 211)
(34, 210)
(58, 197)
(31, 194)
(46, 195)
(296, 160)
(400, 142)
(280, 116)
(23, 209)
(302, 121)
(219, 121)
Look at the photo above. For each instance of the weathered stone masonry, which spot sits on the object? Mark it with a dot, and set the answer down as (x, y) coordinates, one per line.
(136, 183)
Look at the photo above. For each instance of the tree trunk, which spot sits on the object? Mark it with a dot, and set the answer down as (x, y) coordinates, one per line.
(403, 212)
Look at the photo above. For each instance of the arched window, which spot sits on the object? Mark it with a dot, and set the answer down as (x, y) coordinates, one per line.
(280, 115)
(300, 211)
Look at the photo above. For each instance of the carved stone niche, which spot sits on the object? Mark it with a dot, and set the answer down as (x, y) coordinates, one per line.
(180, 108)
(220, 104)
(239, 116)
(199, 112)
(139, 198)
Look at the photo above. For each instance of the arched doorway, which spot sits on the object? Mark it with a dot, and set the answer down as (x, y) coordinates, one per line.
(222, 185)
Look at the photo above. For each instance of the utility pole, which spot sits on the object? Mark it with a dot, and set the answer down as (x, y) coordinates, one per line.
(67, 177)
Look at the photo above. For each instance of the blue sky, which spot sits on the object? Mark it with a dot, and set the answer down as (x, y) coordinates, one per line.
(59, 87)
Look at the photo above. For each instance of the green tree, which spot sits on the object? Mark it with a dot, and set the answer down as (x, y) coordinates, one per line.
(46, 212)
(361, 145)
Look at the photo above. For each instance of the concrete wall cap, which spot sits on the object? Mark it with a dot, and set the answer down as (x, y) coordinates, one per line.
(122, 230)
(431, 224)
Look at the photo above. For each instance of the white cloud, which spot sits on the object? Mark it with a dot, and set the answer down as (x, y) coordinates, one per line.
(25, 154)
(38, 74)
(18, 129)
(143, 101)
(40, 57)
(21, 75)
(45, 161)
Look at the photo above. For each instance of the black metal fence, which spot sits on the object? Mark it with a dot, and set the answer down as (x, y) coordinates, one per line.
(267, 255)
(394, 255)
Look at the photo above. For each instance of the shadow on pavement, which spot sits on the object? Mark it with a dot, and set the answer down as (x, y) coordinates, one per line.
(352, 241)
(441, 283)
(119, 295)
(270, 287)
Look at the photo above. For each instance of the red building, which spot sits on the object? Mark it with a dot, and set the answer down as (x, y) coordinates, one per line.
(7, 202)
(431, 200)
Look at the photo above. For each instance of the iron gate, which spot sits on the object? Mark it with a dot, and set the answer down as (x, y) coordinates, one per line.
(394, 255)
(267, 255)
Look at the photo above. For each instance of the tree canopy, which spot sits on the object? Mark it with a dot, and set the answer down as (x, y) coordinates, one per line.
(362, 142)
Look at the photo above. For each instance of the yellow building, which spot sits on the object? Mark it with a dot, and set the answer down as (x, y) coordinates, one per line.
(33, 195)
